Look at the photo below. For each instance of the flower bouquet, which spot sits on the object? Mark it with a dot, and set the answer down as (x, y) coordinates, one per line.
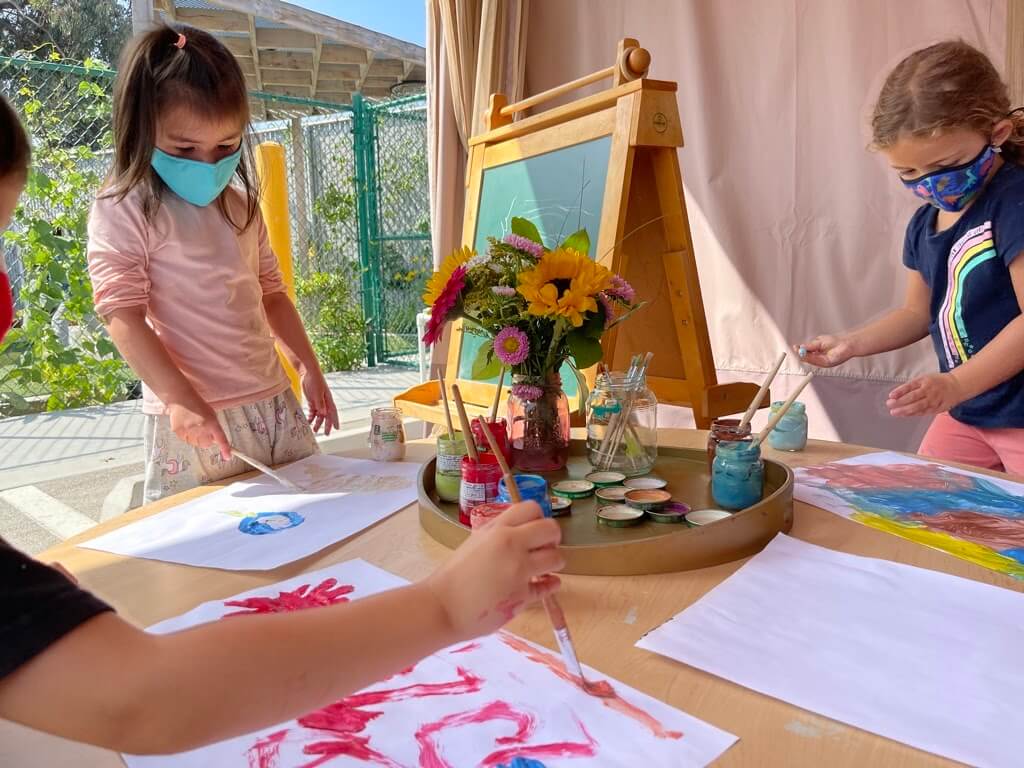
(538, 307)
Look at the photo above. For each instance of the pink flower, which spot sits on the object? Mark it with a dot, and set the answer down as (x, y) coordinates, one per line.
(527, 391)
(503, 290)
(524, 244)
(622, 290)
(511, 345)
(444, 304)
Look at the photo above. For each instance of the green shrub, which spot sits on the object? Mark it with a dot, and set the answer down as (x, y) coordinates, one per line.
(334, 319)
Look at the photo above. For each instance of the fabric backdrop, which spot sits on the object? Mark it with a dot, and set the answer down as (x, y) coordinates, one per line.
(797, 228)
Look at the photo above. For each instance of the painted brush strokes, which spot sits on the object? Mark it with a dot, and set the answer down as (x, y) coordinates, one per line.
(497, 701)
(971, 516)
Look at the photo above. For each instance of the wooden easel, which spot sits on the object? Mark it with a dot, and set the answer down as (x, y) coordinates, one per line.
(644, 232)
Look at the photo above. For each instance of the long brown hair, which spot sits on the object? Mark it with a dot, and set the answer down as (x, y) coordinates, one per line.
(156, 73)
(947, 85)
(15, 150)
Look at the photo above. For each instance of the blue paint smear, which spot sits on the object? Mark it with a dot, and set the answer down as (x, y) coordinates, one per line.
(523, 762)
(1014, 554)
(270, 522)
(981, 497)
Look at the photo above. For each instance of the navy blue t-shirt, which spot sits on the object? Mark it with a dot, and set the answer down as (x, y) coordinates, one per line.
(967, 269)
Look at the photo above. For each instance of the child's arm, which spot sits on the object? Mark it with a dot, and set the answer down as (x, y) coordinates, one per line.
(997, 361)
(893, 330)
(110, 684)
(287, 327)
(192, 419)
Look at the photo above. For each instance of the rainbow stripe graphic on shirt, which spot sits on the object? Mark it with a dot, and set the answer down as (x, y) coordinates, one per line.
(973, 249)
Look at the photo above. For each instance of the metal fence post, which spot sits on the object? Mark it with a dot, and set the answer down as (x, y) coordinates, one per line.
(373, 229)
(360, 147)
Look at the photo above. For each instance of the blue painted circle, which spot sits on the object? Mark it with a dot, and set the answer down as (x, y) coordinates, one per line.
(270, 522)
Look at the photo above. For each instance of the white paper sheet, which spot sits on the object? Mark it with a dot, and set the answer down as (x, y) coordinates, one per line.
(478, 703)
(343, 496)
(924, 658)
(978, 518)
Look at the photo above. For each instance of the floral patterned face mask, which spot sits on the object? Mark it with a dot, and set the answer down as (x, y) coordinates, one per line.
(951, 189)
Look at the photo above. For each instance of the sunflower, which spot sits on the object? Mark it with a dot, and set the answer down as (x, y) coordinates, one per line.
(564, 284)
(439, 280)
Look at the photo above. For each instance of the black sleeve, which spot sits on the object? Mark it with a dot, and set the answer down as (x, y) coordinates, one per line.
(38, 606)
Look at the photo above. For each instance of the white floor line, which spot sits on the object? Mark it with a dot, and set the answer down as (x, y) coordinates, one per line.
(50, 513)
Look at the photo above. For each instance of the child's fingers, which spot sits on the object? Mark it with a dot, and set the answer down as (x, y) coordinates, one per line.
(545, 585)
(905, 389)
(538, 534)
(222, 442)
(332, 410)
(546, 560)
(520, 513)
(915, 409)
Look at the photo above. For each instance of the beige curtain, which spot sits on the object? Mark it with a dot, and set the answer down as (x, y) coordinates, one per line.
(797, 229)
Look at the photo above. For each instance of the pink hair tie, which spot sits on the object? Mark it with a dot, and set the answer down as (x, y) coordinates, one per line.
(180, 42)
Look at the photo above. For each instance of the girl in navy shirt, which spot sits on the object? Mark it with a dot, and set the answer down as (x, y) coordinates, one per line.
(944, 123)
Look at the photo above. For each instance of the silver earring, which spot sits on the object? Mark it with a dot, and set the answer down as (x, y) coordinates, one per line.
(997, 150)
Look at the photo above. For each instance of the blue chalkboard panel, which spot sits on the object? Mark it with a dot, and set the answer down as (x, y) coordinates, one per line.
(561, 191)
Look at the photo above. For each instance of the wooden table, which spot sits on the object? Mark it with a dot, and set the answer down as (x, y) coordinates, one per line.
(607, 615)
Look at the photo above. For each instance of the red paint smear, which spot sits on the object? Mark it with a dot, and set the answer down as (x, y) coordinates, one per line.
(467, 683)
(608, 695)
(264, 753)
(498, 710)
(867, 476)
(542, 751)
(466, 648)
(324, 593)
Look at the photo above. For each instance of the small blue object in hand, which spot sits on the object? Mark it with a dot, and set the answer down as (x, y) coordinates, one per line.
(802, 352)
(522, 762)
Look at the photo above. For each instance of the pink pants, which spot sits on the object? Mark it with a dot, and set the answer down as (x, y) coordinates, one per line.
(1001, 450)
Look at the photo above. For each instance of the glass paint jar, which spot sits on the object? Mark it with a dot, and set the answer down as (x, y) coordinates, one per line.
(538, 417)
(725, 431)
(499, 429)
(482, 514)
(448, 467)
(479, 483)
(737, 477)
(387, 435)
(531, 488)
(790, 434)
(631, 448)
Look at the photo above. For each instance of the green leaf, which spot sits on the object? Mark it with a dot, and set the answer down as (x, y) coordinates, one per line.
(593, 326)
(578, 241)
(485, 365)
(526, 228)
(585, 351)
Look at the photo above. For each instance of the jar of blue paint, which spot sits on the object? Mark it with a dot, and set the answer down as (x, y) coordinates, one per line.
(737, 476)
(531, 488)
(790, 434)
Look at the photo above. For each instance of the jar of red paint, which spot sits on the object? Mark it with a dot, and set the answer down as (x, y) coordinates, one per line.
(499, 429)
(482, 514)
(479, 484)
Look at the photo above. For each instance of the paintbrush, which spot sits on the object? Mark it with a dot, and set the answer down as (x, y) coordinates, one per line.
(777, 417)
(756, 402)
(447, 410)
(467, 433)
(497, 395)
(277, 476)
(551, 605)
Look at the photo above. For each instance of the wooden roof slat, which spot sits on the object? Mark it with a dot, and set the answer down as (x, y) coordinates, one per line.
(379, 82)
(213, 21)
(239, 46)
(376, 93)
(285, 38)
(286, 59)
(285, 76)
(335, 85)
(248, 65)
(340, 71)
(302, 91)
(330, 28)
(342, 54)
(317, 58)
(255, 51)
(385, 68)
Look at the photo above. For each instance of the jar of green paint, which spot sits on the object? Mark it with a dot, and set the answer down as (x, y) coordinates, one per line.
(448, 469)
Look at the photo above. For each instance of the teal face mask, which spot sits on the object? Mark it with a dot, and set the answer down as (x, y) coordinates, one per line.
(198, 183)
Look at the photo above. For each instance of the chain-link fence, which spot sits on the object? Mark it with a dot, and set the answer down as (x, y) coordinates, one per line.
(359, 215)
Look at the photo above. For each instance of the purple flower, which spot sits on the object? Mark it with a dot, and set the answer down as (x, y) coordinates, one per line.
(511, 345)
(527, 392)
(622, 290)
(609, 308)
(524, 244)
(503, 290)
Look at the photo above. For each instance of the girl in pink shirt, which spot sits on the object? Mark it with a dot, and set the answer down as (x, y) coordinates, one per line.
(183, 274)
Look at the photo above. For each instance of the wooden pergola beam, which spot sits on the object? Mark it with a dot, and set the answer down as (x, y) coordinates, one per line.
(327, 27)
(317, 55)
(1015, 50)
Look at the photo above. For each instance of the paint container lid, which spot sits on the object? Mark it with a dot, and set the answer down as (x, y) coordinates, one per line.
(706, 516)
(619, 515)
(647, 498)
(560, 506)
(605, 479)
(667, 515)
(676, 506)
(613, 493)
(573, 489)
(649, 482)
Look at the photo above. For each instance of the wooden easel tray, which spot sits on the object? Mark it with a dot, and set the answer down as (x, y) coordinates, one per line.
(650, 547)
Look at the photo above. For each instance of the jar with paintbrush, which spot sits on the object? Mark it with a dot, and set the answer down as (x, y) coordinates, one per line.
(451, 448)
(622, 420)
(498, 426)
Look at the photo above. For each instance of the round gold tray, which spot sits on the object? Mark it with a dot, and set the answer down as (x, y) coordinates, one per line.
(649, 547)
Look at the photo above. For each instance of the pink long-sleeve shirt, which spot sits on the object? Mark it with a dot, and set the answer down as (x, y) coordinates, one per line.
(202, 284)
